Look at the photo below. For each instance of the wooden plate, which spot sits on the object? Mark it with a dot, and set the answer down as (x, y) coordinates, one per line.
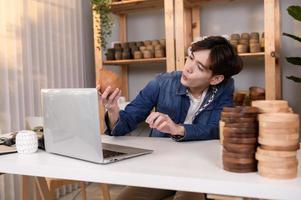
(279, 174)
(239, 135)
(277, 143)
(238, 155)
(240, 130)
(234, 114)
(234, 140)
(241, 109)
(278, 131)
(279, 165)
(242, 170)
(278, 148)
(277, 154)
(271, 106)
(240, 148)
(279, 137)
(267, 158)
(242, 125)
(279, 117)
(239, 119)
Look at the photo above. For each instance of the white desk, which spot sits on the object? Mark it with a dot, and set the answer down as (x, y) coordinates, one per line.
(189, 166)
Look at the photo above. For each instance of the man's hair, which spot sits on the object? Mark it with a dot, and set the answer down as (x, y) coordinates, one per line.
(223, 58)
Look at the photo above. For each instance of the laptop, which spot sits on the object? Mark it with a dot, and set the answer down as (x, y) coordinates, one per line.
(71, 127)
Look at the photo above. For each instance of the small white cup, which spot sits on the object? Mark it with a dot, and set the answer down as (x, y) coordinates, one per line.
(26, 142)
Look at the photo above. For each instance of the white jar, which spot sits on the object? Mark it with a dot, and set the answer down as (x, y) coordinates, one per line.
(26, 142)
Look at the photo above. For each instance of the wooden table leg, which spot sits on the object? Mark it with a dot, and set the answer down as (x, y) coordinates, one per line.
(42, 188)
(25, 187)
(105, 191)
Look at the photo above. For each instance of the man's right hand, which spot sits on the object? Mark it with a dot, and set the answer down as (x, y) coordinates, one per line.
(110, 101)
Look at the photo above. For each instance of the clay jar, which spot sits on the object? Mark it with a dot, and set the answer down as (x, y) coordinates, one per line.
(242, 48)
(126, 54)
(255, 47)
(147, 54)
(235, 36)
(118, 54)
(137, 55)
(110, 54)
(108, 78)
(159, 53)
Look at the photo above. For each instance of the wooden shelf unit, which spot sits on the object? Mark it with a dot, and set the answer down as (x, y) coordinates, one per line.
(129, 6)
(187, 27)
(134, 61)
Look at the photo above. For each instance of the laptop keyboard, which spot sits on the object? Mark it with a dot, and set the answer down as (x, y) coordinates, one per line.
(109, 153)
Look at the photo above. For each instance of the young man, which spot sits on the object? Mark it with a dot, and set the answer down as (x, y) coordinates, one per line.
(187, 104)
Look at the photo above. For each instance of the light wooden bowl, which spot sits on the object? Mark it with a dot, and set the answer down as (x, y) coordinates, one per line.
(268, 158)
(279, 165)
(280, 124)
(271, 106)
(279, 131)
(279, 117)
(276, 136)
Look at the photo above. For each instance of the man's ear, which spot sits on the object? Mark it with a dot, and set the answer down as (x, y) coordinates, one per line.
(216, 79)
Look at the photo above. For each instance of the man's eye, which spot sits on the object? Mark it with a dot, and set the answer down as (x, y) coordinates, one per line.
(200, 68)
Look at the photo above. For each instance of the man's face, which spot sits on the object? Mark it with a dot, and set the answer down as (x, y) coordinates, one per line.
(196, 72)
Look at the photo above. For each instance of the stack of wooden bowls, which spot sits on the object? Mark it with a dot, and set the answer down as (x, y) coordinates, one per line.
(278, 139)
(240, 134)
(137, 50)
(279, 142)
(246, 42)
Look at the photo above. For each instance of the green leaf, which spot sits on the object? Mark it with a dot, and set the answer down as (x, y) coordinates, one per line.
(294, 78)
(295, 12)
(292, 36)
(294, 60)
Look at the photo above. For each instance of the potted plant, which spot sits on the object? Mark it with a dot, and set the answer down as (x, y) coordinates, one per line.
(102, 7)
(295, 12)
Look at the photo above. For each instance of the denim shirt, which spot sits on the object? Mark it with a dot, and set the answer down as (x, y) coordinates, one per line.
(167, 95)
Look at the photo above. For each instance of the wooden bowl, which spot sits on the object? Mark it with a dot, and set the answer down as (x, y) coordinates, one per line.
(282, 137)
(239, 168)
(279, 165)
(279, 125)
(268, 158)
(238, 114)
(271, 106)
(238, 155)
(239, 160)
(241, 131)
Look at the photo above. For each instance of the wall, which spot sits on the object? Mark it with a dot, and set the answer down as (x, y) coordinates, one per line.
(223, 18)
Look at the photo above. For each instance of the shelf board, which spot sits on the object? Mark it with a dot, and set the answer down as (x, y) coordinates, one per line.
(251, 54)
(128, 6)
(134, 61)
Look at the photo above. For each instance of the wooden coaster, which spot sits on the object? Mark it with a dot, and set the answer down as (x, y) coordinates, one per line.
(251, 140)
(240, 148)
(281, 148)
(278, 154)
(242, 125)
